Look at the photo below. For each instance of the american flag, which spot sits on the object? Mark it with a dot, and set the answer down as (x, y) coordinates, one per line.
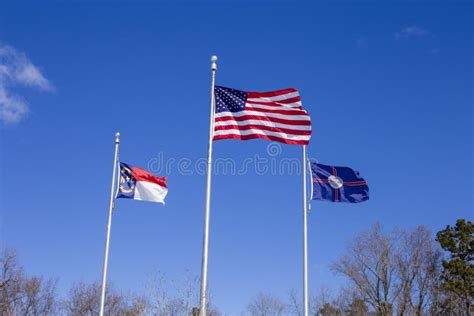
(276, 115)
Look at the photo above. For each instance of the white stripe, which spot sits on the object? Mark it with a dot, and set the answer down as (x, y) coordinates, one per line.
(276, 98)
(265, 123)
(256, 107)
(148, 191)
(282, 106)
(260, 132)
(294, 104)
(275, 115)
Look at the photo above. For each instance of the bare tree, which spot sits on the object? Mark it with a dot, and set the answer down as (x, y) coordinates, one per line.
(357, 308)
(329, 309)
(370, 264)
(175, 297)
(349, 302)
(38, 297)
(323, 302)
(445, 302)
(294, 305)
(158, 295)
(400, 269)
(137, 306)
(22, 295)
(170, 297)
(267, 305)
(418, 268)
(10, 283)
(319, 300)
(84, 300)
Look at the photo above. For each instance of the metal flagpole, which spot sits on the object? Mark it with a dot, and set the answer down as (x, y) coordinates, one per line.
(207, 211)
(109, 225)
(305, 238)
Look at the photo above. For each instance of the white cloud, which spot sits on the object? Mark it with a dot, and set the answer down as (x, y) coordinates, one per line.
(17, 70)
(412, 32)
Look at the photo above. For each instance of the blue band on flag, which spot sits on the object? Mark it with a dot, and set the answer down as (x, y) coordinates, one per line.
(338, 184)
(127, 183)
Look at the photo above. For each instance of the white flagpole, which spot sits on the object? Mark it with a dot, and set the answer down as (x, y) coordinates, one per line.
(109, 225)
(207, 211)
(305, 238)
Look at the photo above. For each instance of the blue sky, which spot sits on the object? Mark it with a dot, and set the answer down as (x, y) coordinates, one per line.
(388, 87)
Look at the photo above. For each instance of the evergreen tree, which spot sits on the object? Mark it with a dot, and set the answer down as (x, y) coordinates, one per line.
(458, 270)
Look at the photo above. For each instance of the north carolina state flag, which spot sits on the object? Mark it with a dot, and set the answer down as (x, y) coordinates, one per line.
(138, 184)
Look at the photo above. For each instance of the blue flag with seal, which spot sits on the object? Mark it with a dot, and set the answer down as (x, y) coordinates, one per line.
(338, 184)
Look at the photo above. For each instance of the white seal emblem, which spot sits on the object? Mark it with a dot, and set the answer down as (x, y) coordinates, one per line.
(335, 182)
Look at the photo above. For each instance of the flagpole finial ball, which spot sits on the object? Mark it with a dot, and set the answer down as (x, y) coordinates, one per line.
(117, 134)
(214, 58)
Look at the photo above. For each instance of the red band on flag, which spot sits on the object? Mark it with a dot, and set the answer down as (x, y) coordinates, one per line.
(279, 102)
(262, 118)
(140, 174)
(355, 183)
(271, 93)
(267, 137)
(317, 180)
(262, 127)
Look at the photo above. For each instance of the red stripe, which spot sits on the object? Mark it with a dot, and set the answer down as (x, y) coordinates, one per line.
(263, 128)
(320, 180)
(284, 112)
(142, 175)
(267, 137)
(279, 102)
(271, 93)
(355, 183)
(261, 118)
(295, 107)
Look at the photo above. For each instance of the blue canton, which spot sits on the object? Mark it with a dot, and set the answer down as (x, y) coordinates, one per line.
(127, 183)
(229, 100)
